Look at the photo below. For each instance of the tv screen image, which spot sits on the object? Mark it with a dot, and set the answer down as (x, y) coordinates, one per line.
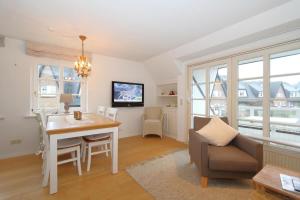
(127, 94)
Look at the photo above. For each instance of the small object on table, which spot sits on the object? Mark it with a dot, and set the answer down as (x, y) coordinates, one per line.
(287, 182)
(171, 92)
(296, 184)
(67, 100)
(77, 115)
(270, 178)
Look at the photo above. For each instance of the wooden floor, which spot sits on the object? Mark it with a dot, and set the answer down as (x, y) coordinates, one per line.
(20, 178)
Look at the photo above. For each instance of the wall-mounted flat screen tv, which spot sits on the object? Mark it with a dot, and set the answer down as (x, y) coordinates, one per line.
(126, 94)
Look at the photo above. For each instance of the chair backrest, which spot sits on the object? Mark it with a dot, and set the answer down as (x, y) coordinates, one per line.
(43, 116)
(101, 110)
(200, 122)
(111, 113)
(43, 125)
(152, 112)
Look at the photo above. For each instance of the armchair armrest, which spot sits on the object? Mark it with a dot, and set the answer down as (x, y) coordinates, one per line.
(255, 149)
(198, 150)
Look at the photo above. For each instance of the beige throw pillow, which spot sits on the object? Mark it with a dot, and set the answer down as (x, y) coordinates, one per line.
(217, 132)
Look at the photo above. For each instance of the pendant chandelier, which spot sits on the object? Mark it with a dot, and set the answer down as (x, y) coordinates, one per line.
(82, 65)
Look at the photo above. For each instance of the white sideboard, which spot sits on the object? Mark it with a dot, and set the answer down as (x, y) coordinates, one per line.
(170, 121)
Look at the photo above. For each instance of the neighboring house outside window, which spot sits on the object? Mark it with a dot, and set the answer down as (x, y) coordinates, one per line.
(242, 93)
(209, 91)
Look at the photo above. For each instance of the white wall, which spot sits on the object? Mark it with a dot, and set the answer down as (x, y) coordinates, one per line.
(106, 69)
(15, 101)
(15, 83)
(163, 68)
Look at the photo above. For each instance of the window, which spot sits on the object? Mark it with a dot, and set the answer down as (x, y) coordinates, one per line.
(284, 102)
(209, 91)
(264, 97)
(250, 81)
(53, 80)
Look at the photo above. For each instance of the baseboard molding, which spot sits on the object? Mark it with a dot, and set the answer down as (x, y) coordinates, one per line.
(170, 135)
(124, 135)
(16, 154)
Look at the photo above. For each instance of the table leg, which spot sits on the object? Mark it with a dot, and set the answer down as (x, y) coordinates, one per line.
(115, 139)
(53, 164)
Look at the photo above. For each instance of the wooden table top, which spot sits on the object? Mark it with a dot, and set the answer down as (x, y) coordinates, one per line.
(66, 123)
(269, 177)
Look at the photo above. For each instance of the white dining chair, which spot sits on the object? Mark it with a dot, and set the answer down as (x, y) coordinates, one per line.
(100, 140)
(101, 110)
(70, 145)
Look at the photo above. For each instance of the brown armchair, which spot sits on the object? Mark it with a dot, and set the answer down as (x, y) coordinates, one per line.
(240, 159)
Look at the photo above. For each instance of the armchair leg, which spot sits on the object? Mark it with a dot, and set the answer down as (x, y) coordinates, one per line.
(191, 162)
(204, 181)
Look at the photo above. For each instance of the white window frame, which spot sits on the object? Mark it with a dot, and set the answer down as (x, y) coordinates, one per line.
(232, 98)
(60, 65)
(207, 98)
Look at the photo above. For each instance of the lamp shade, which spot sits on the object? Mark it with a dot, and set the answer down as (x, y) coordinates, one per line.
(66, 98)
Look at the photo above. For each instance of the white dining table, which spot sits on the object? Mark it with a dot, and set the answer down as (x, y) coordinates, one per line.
(65, 126)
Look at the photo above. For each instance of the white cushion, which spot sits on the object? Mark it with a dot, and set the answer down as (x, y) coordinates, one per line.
(217, 132)
(69, 142)
(97, 137)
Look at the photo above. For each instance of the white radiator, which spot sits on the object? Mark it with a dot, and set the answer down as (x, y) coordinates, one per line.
(282, 157)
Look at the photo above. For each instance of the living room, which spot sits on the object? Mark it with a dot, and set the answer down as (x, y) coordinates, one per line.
(184, 61)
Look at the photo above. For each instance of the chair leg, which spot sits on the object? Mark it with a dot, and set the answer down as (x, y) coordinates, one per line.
(78, 161)
(81, 148)
(89, 157)
(84, 151)
(191, 162)
(73, 156)
(44, 163)
(46, 170)
(204, 181)
(106, 149)
(110, 148)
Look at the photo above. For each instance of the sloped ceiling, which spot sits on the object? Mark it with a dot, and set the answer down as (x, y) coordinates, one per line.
(133, 29)
(276, 25)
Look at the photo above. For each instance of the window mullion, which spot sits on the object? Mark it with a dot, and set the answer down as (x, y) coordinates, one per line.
(233, 94)
(207, 91)
(266, 96)
(60, 85)
(229, 90)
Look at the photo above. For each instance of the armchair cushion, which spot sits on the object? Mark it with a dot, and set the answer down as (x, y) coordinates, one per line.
(217, 132)
(231, 158)
(153, 121)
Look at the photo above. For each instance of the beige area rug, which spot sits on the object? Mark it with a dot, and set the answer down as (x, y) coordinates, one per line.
(171, 177)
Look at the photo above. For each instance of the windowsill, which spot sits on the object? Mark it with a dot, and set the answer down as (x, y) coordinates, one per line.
(267, 139)
(30, 116)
